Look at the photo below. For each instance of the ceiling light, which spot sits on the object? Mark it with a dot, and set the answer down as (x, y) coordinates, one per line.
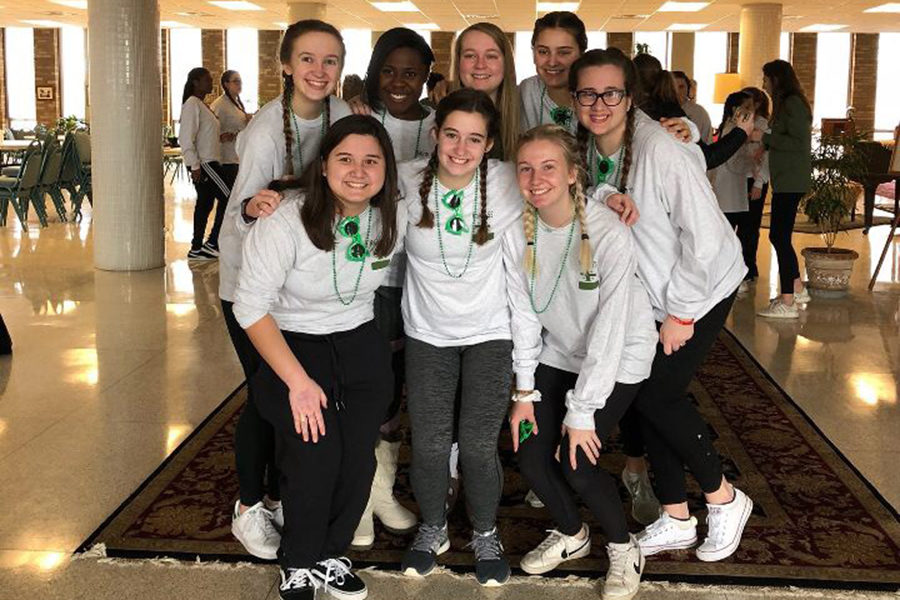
(630, 17)
(686, 26)
(281, 25)
(423, 26)
(405, 6)
(682, 6)
(171, 24)
(822, 28)
(235, 5)
(43, 23)
(554, 6)
(890, 7)
(82, 4)
(192, 13)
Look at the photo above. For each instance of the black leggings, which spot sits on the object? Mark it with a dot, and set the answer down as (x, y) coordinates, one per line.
(389, 320)
(750, 239)
(784, 214)
(672, 429)
(211, 187)
(554, 481)
(254, 441)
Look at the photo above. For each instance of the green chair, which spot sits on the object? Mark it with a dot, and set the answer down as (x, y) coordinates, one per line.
(17, 190)
(49, 181)
(82, 161)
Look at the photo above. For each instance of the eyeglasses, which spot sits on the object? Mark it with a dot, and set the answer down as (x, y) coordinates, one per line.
(453, 201)
(588, 98)
(349, 228)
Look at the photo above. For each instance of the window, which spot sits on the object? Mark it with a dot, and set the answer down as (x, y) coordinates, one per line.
(785, 46)
(832, 76)
(710, 57)
(20, 78)
(242, 49)
(658, 41)
(887, 108)
(596, 39)
(73, 71)
(186, 53)
(359, 51)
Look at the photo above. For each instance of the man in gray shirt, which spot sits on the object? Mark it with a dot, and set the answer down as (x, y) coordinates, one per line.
(695, 112)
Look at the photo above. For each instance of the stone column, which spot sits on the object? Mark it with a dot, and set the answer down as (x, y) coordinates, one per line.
(863, 80)
(126, 148)
(804, 48)
(270, 83)
(682, 55)
(759, 40)
(212, 44)
(298, 11)
(4, 111)
(165, 90)
(46, 75)
(622, 41)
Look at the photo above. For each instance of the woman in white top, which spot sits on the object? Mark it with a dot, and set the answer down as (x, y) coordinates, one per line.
(304, 295)
(598, 345)
(233, 117)
(757, 180)
(467, 319)
(690, 262)
(198, 136)
(558, 40)
(282, 140)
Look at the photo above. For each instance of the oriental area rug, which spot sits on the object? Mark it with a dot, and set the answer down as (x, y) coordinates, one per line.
(816, 521)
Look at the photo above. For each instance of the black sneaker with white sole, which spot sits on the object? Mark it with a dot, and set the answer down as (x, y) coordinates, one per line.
(338, 580)
(421, 558)
(211, 248)
(491, 567)
(200, 254)
(298, 584)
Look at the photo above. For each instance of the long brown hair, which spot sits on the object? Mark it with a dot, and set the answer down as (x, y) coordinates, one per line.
(760, 101)
(784, 85)
(508, 94)
(236, 100)
(562, 19)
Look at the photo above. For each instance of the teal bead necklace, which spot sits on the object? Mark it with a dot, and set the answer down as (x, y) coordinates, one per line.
(300, 140)
(562, 264)
(340, 226)
(437, 205)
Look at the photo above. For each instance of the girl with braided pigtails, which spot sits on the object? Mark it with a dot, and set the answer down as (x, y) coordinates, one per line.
(690, 263)
(598, 345)
(282, 140)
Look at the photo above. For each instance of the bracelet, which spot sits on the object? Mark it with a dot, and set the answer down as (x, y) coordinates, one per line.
(247, 218)
(532, 396)
(681, 321)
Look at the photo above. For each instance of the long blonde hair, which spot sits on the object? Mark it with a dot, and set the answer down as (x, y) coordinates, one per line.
(571, 152)
(508, 93)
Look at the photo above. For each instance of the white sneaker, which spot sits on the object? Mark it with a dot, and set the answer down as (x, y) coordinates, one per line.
(726, 525)
(255, 531)
(667, 533)
(644, 505)
(555, 550)
(743, 288)
(364, 536)
(626, 564)
(778, 310)
(802, 297)
(532, 500)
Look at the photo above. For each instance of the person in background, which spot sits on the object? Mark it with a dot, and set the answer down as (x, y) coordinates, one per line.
(352, 87)
(757, 181)
(433, 79)
(694, 111)
(233, 117)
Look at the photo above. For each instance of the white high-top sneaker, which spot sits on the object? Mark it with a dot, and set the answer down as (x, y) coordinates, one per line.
(626, 564)
(555, 550)
(726, 525)
(667, 533)
(364, 536)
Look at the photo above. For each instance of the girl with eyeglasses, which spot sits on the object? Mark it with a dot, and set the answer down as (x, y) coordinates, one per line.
(467, 320)
(305, 296)
(233, 118)
(690, 263)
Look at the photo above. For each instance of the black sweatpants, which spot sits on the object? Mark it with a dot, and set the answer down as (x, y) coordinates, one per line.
(389, 320)
(674, 432)
(750, 240)
(211, 187)
(254, 439)
(784, 214)
(554, 481)
(325, 486)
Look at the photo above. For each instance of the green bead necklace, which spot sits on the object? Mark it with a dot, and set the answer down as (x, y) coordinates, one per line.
(418, 134)
(362, 263)
(297, 130)
(561, 115)
(562, 264)
(437, 204)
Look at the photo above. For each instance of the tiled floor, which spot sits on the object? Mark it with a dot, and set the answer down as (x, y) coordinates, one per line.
(112, 370)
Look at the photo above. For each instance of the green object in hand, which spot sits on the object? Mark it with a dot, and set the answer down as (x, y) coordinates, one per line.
(526, 428)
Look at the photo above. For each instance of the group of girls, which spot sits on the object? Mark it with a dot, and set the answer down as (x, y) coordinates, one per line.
(588, 291)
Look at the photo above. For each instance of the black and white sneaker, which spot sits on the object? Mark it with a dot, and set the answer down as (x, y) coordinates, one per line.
(211, 248)
(491, 567)
(338, 580)
(555, 550)
(200, 254)
(421, 557)
(298, 584)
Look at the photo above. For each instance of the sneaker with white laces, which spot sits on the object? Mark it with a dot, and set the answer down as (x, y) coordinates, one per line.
(491, 567)
(779, 310)
(726, 525)
(211, 248)
(255, 531)
(200, 254)
(298, 584)
(667, 533)
(555, 550)
(430, 542)
(626, 564)
(644, 505)
(338, 581)
(532, 500)
(802, 297)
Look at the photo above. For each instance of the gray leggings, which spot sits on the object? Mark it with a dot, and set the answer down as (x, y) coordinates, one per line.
(432, 374)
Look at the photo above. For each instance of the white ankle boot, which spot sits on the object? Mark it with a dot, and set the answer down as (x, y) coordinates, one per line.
(382, 503)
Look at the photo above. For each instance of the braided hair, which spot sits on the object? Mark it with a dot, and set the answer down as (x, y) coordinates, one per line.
(470, 101)
(236, 100)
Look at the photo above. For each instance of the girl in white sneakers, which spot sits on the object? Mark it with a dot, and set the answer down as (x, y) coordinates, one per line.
(690, 262)
(598, 345)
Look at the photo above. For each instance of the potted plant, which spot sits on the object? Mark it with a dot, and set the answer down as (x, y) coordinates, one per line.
(836, 160)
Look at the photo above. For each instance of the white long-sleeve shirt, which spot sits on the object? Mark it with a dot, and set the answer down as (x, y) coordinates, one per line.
(262, 153)
(759, 171)
(538, 106)
(698, 115)
(490, 300)
(730, 179)
(689, 258)
(231, 120)
(602, 329)
(283, 274)
(198, 134)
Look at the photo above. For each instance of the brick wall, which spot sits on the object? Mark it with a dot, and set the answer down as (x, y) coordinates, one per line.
(622, 41)
(212, 42)
(442, 45)
(4, 111)
(269, 66)
(165, 90)
(803, 59)
(734, 44)
(863, 79)
(46, 74)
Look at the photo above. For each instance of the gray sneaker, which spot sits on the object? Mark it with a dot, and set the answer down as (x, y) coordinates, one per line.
(644, 505)
(491, 567)
(421, 558)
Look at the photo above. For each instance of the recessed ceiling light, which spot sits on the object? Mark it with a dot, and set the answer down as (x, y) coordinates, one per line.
(43, 23)
(686, 26)
(82, 4)
(554, 6)
(405, 6)
(171, 24)
(423, 26)
(682, 6)
(890, 7)
(630, 16)
(235, 5)
(822, 27)
(281, 25)
(193, 13)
